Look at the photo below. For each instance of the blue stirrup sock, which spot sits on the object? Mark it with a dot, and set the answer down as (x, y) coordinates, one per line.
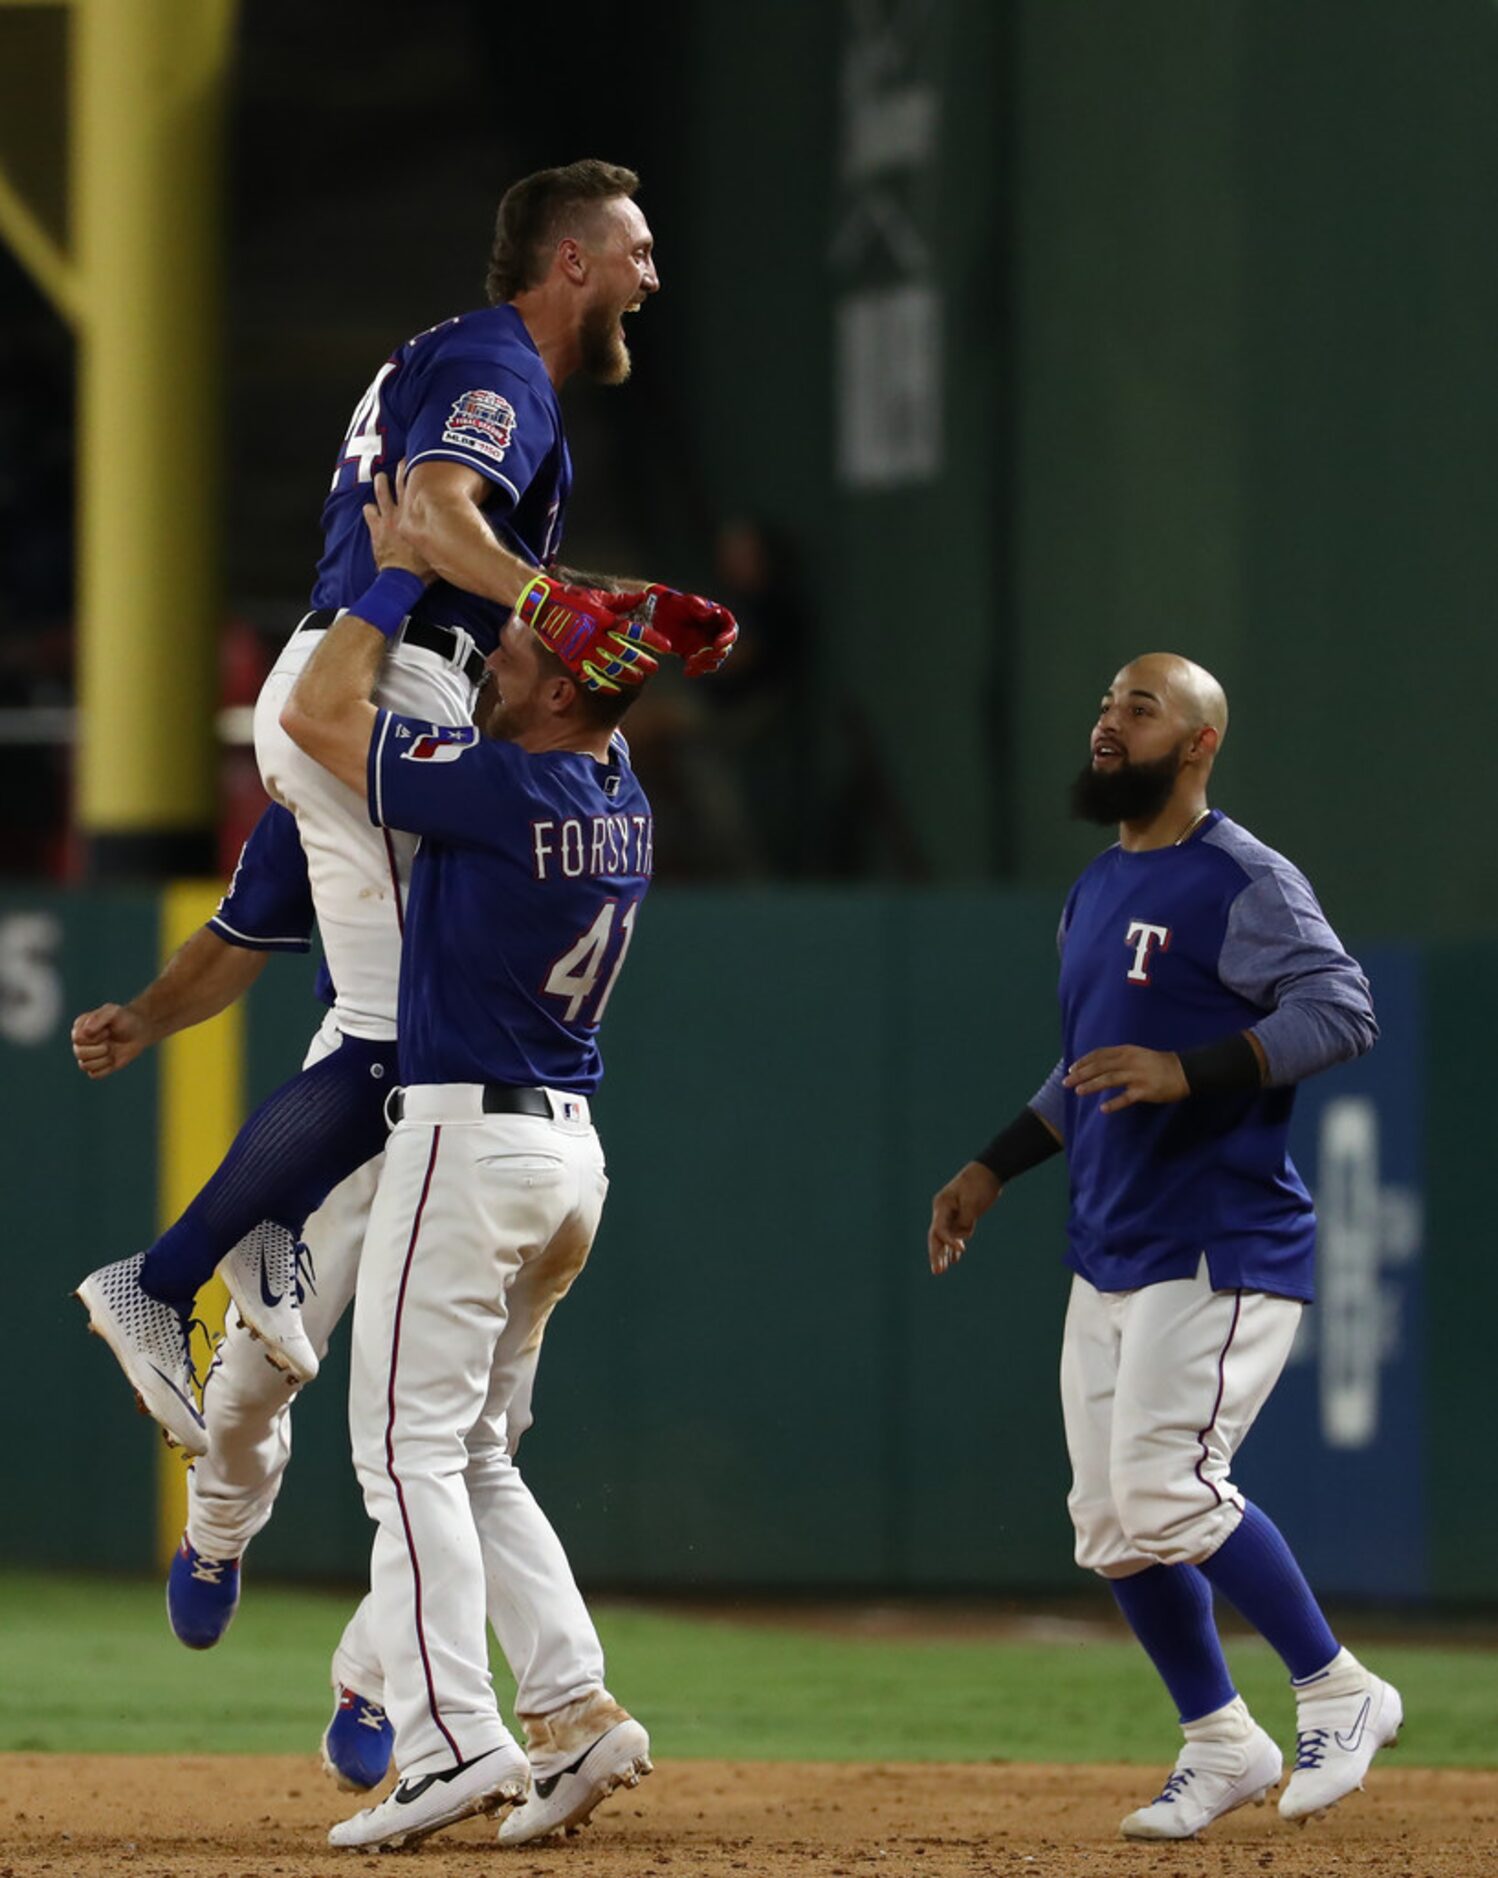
(313, 1132)
(1255, 1570)
(1169, 1609)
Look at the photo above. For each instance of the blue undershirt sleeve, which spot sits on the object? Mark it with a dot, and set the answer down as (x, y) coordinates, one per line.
(1049, 1101)
(1280, 953)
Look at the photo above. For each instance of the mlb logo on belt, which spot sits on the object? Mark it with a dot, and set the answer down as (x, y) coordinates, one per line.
(443, 743)
(572, 1111)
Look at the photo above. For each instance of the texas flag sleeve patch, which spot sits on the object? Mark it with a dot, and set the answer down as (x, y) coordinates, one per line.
(441, 743)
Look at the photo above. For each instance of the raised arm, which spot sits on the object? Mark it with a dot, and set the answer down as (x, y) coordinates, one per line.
(204, 976)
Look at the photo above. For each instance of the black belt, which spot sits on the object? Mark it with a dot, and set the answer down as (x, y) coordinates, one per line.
(415, 632)
(500, 1098)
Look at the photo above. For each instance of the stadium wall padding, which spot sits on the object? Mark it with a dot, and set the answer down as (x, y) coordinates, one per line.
(756, 1383)
(1215, 288)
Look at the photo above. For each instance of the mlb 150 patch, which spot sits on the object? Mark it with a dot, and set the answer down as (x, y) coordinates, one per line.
(443, 743)
(482, 421)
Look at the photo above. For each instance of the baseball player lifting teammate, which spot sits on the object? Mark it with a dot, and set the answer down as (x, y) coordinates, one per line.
(536, 852)
(1199, 983)
(233, 1488)
(472, 406)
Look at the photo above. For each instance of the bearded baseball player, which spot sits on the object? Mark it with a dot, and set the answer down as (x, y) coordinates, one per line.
(535, 856)
(472, 406)
(1199, 983)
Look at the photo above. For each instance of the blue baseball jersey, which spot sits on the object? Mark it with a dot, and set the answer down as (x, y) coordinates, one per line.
(268, 907)
(522, 904)
(1169, 949)
(474, 391)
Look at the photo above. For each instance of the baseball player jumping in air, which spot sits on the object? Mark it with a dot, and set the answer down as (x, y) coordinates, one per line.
(471, 404)
(535, 856)
(232, 1487)
(1199, 983)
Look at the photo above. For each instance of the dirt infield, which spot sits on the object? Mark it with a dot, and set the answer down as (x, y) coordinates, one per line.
(266, 1818)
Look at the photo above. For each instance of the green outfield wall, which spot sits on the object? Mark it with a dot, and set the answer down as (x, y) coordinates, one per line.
(1061, 330)
(756, 1383)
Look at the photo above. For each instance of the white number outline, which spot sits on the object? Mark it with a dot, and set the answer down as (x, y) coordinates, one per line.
(574, 975)
(364, 440)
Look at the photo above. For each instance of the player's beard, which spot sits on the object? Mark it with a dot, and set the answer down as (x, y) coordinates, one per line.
(605, 357)
(1133, 792)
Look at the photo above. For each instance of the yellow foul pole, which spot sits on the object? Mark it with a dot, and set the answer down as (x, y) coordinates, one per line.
(201, 1078)
(148, 84)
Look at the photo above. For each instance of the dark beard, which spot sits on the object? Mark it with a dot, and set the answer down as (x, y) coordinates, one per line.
(605, 357)
(1134, 792)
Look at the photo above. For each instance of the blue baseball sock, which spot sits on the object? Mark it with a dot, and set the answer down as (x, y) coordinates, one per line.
(1256, 1572)
(284, 1162)
(1169, 1609)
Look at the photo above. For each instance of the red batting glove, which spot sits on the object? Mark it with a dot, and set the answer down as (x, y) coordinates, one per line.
(590, 632)
(700, 632)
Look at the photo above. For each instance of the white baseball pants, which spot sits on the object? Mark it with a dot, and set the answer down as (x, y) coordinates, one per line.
(1159, 1386)
(231, 1490)
(359, 873)
(480, 1225)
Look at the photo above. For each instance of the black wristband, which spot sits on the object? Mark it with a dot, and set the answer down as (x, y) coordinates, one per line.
(1227, 1067)
(1024, 1144)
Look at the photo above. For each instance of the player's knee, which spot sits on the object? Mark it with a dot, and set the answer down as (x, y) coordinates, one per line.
(1101, 1542)
(1153, 1502)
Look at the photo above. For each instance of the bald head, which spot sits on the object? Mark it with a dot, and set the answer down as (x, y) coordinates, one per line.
(1188, 692)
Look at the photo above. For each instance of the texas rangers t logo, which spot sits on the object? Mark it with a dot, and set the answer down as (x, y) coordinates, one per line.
(1144, 938)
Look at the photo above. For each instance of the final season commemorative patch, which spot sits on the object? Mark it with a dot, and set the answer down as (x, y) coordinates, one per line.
(443, 743)
(482, 421)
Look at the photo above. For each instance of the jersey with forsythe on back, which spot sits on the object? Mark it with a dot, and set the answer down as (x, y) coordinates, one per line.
(517, 846)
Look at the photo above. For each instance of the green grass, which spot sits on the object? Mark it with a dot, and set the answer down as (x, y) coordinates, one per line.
(88, 1666)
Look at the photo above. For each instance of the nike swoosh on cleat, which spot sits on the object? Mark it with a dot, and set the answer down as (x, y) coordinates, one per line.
(548, 1786)
(410, 1790)
(1349, 1742)
(268, 1297)
(186, 1401)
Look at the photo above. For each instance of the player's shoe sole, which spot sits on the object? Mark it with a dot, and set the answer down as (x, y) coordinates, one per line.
(418, 1808)
(149, 1341)
(563, 1800)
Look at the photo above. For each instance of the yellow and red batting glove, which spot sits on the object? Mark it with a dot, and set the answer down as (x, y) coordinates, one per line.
(700, 632)
(591, 632)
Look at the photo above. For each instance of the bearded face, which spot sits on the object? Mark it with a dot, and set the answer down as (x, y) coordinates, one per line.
(605, 356)
(1125, 791)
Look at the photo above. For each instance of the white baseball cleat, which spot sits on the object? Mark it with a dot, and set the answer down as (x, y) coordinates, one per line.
(1343, 1717)
(578, 1757)
(418, 1808)
(264, 1277)
(1235, 1765)
(150, 1339)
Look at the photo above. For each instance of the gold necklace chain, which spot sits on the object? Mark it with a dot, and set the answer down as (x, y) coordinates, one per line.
(1188, 832)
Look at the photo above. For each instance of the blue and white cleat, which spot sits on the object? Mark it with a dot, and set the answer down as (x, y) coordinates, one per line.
(357, 1743)
(150, 1341)
(202, 1595)
(1228, 1761)
(1344, 1716)
(264, 1276)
